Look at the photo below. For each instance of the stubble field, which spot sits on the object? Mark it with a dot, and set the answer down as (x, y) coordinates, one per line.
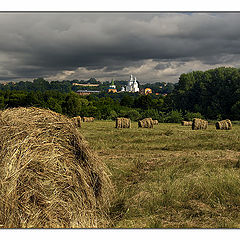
(170, 176)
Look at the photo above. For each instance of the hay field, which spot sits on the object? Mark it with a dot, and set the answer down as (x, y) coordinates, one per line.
(170, 176)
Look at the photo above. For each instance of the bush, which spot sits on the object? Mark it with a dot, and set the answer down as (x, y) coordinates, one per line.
(113, 115)
(190, 115)
(133, 114)
(235, 110)
(174, 117)
(151, 113)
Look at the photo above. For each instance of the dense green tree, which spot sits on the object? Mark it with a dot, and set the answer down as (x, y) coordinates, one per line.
(188, 116)
(174, 117)
(127, 101)
(73, 105)
(2, 104)
(54, 105)
(40, 84)
(213, 93)
(133, 114)
(236, 110)
(151, 113)
(144, 102)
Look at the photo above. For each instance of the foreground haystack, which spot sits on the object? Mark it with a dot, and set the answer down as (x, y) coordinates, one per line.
(145, 123)
(186, 123)
(224, 125)
(199, 124)
(155, 122)
(123, 123)
(77, 121)
(49, 178)
(88, 119)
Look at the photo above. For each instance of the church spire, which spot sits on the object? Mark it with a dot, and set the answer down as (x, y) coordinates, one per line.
(131, 77)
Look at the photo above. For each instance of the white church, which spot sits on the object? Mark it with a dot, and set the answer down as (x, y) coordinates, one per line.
(132, 85)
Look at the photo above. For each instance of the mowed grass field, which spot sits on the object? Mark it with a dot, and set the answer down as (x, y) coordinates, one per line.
(170, 176)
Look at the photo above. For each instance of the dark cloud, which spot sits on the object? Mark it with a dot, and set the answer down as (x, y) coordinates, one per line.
(41, 44)
(161, 66)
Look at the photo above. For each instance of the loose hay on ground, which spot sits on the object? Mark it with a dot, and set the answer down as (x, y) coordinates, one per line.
(49, 178)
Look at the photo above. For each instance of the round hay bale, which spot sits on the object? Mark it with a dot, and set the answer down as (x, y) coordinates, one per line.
(229, 124)
(140, 123)
(186, 123)
(224, 125)
(77, 121)
(199, 124)
(49, 177)
(118, 123)
(88, 119)
(123, 123)
(145, 123)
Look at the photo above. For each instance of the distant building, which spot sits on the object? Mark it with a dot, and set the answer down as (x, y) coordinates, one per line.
(141, 91)
(112, 88)
(86, 92)
(147, 91)
(8, 82)
(132, 85)
(85, 84)
(122, 89)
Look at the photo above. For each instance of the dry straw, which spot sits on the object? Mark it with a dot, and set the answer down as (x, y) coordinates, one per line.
(49, 178)
(145, 123)
(88, 119)
(186, 123)
(224, 125)
(123, 123)
(77, 121)
(199, 124)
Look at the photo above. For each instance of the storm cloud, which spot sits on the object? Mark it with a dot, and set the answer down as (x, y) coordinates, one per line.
(152, 46)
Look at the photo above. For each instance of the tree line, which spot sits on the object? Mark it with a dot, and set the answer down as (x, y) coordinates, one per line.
(66, 86)
(213, 94)
(103, 106)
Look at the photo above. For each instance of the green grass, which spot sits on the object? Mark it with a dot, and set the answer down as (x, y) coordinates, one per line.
(170, 176)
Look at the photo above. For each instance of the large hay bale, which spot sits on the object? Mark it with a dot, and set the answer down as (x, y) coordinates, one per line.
(77, 121)
(49, 178)
(123, 123)
(224, 125)
(145, 123)
(88, 119)
(155, 122)
(199, 124)
(186, 123)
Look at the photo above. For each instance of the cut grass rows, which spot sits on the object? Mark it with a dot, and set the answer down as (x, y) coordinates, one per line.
(170, 176)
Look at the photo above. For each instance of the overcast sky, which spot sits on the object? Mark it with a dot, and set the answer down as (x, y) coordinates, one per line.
(151, 46)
